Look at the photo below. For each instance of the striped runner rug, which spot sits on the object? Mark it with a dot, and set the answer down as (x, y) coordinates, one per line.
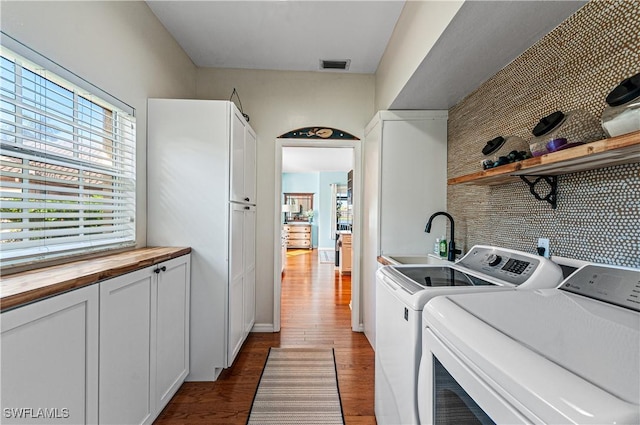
(298, 386)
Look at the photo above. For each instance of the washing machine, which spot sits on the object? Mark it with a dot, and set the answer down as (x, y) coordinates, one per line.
(401, 294)
(569, 355)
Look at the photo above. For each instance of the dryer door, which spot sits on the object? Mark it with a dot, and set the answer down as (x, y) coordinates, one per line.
(450, 391)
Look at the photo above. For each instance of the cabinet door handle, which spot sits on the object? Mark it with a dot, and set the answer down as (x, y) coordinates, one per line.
(247, 199)
(247, 208)
(156, 270)
(160, 269)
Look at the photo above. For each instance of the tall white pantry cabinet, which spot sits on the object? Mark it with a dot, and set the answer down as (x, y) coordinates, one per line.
(404, 182)
(201, 192)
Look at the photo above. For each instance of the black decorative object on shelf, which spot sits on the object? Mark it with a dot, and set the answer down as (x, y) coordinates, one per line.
(246, 117)
(493, 145)
(513, 156)
(318, 133)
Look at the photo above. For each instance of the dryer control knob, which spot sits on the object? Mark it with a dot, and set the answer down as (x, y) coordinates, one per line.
(494, 260)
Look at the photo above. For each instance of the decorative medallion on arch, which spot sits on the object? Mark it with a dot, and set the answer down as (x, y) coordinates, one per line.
(323, 133)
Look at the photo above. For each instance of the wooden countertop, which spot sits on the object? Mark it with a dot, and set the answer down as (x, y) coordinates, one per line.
(33, 285)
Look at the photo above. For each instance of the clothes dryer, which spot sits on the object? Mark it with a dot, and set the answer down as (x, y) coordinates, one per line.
(568, 355)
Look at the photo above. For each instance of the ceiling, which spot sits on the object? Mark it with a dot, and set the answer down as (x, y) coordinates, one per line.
(280, 35)
(294, 35)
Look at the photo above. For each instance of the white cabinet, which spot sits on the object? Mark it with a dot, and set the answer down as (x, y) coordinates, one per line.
(50, 360)
(144, 341)
(170, 342)
(404, 182)
(250, 164)
(125, 344)
(110, 353)
(344, 243)
(243, 160)
(242, 266)
(249, 260)
(201, 170)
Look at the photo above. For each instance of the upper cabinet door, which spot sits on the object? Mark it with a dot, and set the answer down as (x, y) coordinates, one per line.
(237, 157)
(243, 160)
(250, 165)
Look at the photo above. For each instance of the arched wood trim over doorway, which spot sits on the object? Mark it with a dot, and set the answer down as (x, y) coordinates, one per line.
(318, 133)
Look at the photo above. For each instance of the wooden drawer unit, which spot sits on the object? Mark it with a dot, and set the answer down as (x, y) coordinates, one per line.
(297, 235)
(344, 244)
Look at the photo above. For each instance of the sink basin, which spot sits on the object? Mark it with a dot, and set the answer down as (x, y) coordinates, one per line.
(409, 259)
(415, 259)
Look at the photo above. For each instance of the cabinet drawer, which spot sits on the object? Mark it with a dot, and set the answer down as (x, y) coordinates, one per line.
(297, 229)
(298, 243)
(299, 236)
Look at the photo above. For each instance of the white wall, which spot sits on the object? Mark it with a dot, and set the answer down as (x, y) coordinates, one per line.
(420, 25)
(120, 47)
(277, 102)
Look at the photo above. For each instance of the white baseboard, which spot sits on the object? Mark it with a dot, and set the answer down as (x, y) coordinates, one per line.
(263, 327)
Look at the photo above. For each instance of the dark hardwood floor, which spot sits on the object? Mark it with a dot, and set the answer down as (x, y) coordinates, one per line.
(315, 312)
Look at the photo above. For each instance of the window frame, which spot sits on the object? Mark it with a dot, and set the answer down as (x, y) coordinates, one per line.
(97, 157)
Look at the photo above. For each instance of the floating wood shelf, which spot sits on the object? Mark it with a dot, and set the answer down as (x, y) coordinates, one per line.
(623, 149)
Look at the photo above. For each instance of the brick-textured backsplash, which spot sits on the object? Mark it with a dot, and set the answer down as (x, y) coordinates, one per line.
(573, 67)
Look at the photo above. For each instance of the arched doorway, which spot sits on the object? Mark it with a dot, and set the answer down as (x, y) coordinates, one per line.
(302, 138)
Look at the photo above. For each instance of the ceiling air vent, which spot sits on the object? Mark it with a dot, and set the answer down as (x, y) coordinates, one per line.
(338, 65)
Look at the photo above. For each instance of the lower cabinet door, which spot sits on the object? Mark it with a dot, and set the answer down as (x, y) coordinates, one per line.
(235, 326)
(125, 341)
(236, 318)
(171, 352)
(49, 360)
(249, 270)
(249, 300)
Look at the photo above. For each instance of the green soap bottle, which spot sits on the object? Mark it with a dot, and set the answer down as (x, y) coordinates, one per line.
(443, 247)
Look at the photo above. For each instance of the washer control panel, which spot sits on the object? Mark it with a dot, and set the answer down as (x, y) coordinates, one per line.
(507, 265)
(516, 266)
(614, 285)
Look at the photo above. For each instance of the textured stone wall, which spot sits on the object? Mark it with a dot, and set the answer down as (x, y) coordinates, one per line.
(573, 67)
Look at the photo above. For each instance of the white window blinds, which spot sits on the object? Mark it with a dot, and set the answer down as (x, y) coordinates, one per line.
(67, 167)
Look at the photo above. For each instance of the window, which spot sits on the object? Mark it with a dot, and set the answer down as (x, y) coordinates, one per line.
(67, 166)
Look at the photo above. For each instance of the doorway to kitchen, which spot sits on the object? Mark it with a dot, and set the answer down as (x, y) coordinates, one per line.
(297, 216)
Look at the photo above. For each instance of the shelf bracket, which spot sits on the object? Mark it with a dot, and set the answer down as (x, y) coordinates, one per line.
(552, 182)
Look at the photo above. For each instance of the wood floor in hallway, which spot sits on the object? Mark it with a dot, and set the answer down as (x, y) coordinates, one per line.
(315, 312)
